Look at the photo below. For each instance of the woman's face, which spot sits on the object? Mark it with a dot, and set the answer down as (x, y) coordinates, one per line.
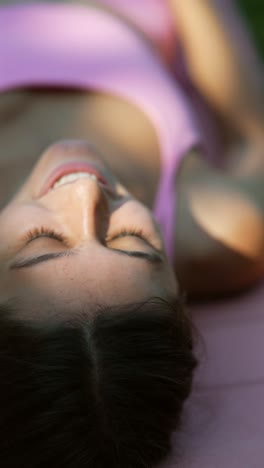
(83, 241)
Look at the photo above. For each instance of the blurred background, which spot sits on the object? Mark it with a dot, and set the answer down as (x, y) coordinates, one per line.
(253, 11)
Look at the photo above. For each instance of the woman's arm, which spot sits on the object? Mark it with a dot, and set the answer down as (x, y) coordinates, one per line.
(219, 232)
(219, 235)
(222, 62)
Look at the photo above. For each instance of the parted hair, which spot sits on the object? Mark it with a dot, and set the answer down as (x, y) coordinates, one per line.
(103, 391)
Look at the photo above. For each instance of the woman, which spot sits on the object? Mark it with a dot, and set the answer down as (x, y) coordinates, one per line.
(90, 98)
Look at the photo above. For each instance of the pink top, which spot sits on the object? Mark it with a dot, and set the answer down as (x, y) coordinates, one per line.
(224, 424)
(152, 17)
(63, 45)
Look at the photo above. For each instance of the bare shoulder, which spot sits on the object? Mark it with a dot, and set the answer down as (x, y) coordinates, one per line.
(219, 230)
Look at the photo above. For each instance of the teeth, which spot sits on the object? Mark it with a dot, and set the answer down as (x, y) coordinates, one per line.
(72, 177)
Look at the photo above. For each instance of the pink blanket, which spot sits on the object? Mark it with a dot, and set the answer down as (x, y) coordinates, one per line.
(224, 419)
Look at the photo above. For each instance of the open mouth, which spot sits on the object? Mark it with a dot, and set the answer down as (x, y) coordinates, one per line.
(71, 172)
(72, 177)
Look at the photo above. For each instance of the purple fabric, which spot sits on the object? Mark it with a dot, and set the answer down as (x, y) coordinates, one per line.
(153, 17)
(206, 120)
(62, 45)
(224, 418)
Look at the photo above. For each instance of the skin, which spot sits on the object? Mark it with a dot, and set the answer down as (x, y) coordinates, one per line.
(226, 68)
(87, 214)
(209, 260)
(100, 269)
(221, 211)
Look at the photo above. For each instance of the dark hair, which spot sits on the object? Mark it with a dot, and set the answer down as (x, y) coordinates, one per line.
(99, 392)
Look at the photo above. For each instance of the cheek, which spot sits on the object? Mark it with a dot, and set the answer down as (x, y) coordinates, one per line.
(132, 211)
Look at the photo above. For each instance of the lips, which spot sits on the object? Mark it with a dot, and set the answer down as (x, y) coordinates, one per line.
(71, 168)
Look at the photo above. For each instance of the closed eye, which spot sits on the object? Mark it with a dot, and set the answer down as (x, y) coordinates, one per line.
(155, 257)
(138, 233)
(144, 239)
(50, 233)
(41, 232)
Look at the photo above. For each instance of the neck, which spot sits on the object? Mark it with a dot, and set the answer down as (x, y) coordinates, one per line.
(34, 119)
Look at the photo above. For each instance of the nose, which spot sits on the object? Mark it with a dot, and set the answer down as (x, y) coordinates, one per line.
(82, 208)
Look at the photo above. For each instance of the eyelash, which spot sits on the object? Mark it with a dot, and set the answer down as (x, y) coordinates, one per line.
(44, 232)
(51, 233)
(133, 232)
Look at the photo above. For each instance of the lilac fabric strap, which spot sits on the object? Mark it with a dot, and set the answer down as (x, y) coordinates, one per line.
(88, 48)
(153, 17)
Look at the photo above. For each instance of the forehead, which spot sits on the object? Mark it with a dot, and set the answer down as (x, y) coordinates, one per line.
(89, 278)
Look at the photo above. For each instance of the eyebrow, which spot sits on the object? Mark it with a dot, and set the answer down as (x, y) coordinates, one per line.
(153, 258)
